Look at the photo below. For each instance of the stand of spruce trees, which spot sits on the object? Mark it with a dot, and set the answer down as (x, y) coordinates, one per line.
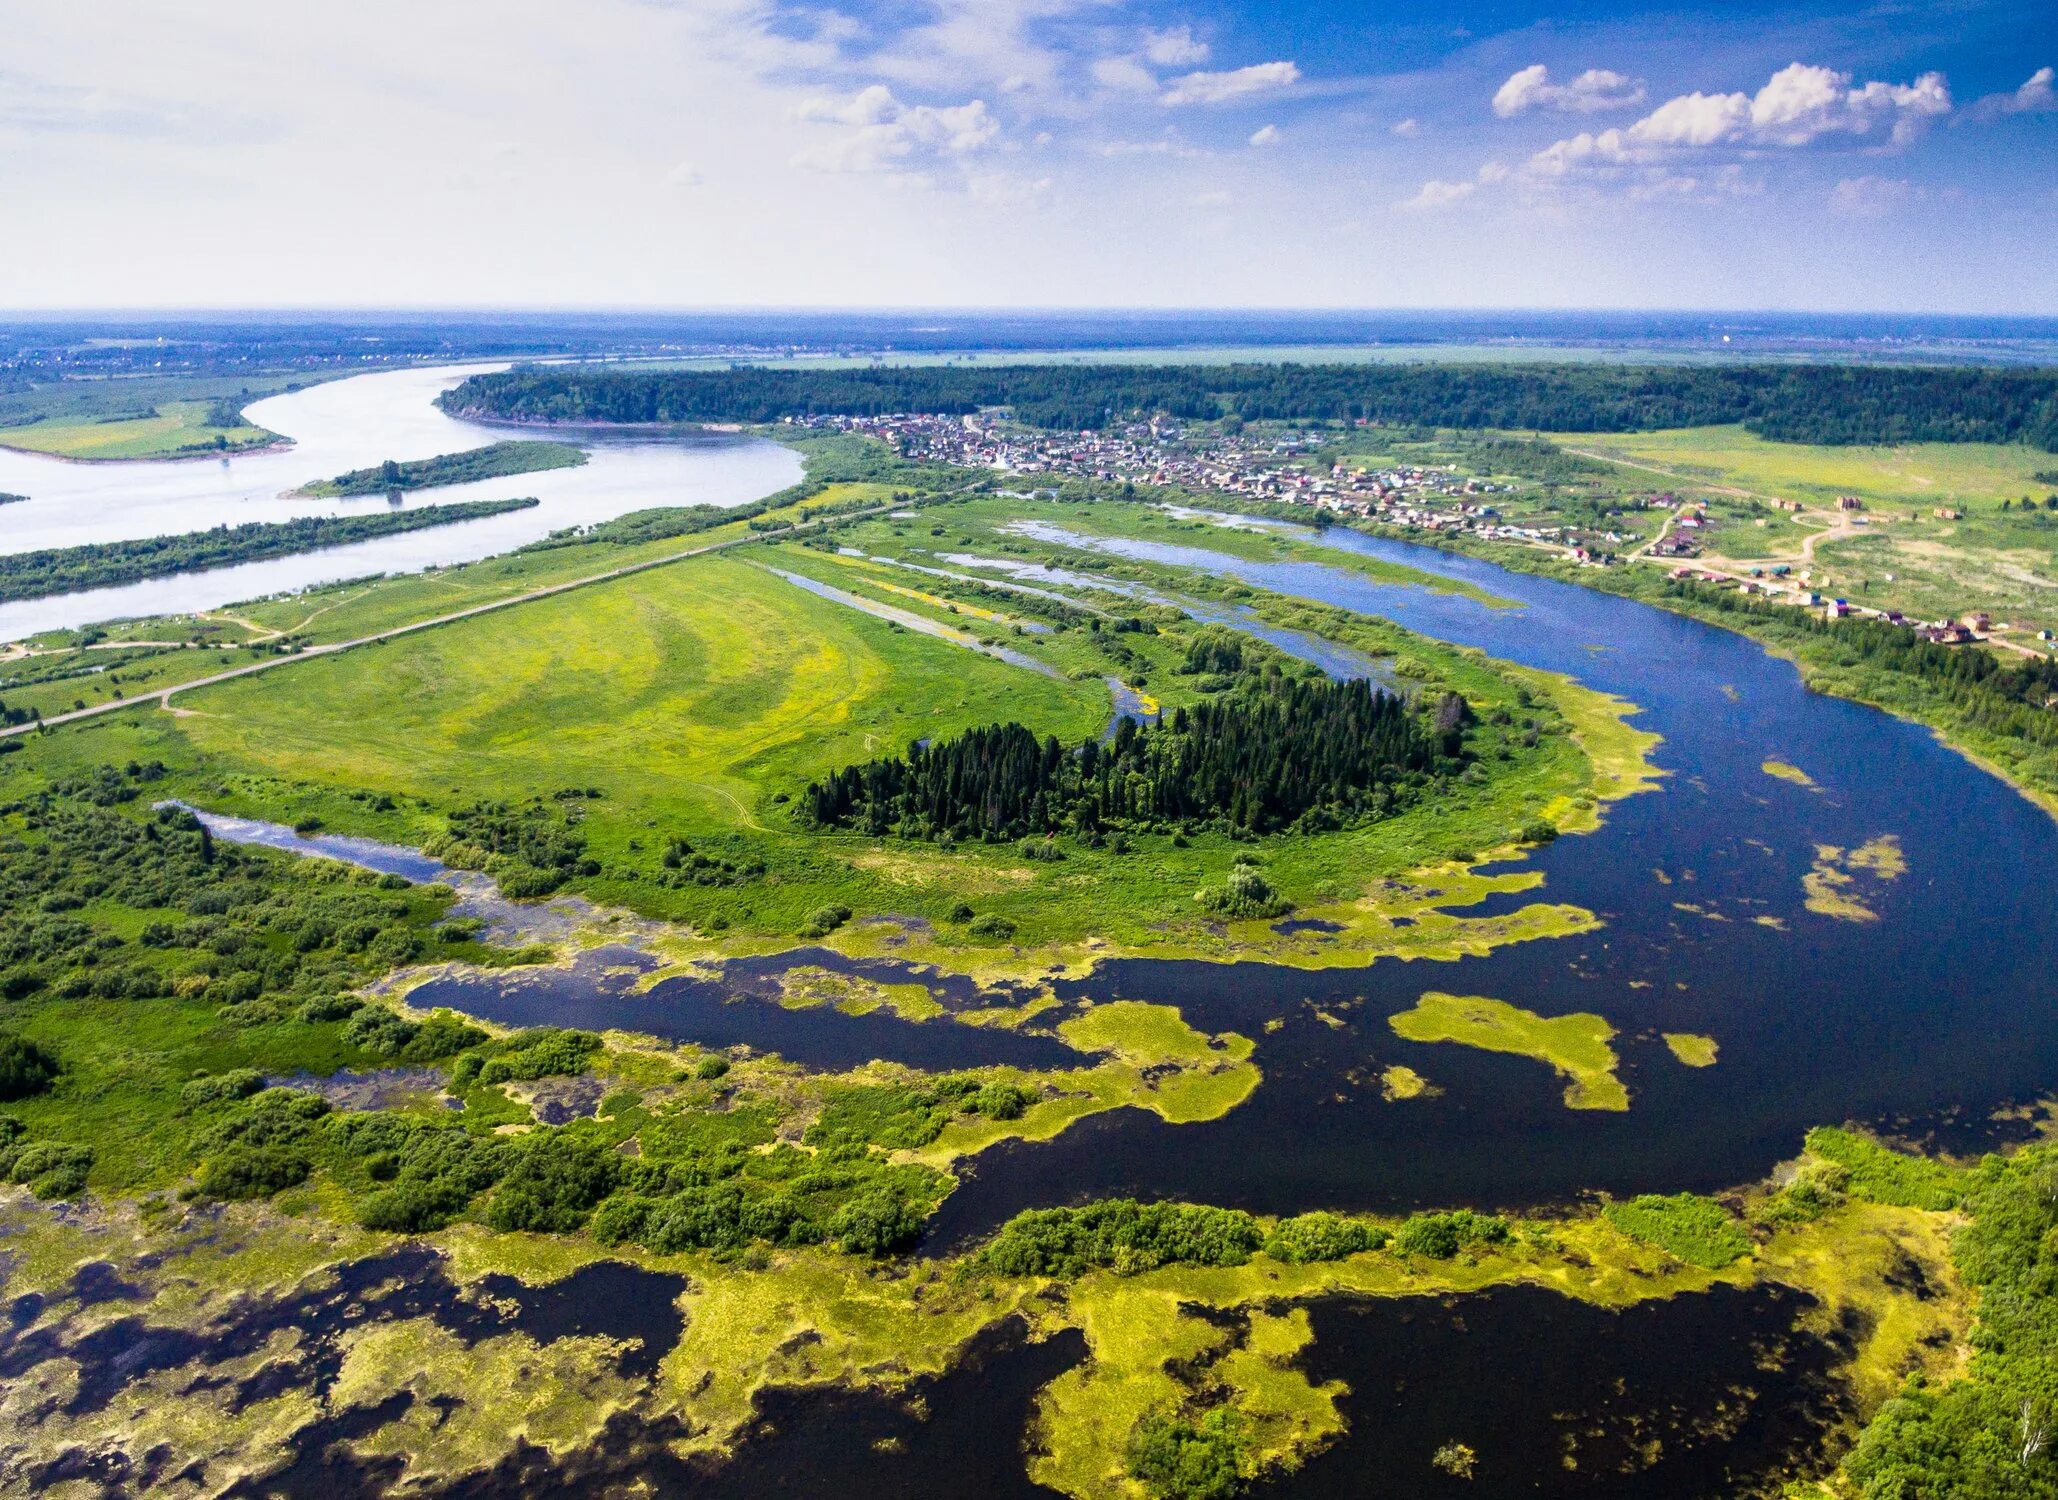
(1288, 753)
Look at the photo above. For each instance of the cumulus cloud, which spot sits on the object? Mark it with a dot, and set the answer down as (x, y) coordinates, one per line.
(1436, 194)
(1406, 129)
(1797, 106)
(1125, 74)
(1237, 83)
(1592, 91)
(881, 134)
(1871, 197)
(1214, 198)
(1266, 135)
(2035, 96)
(1174, 47)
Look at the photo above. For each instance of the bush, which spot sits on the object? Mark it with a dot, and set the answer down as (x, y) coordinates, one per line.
(1181, 1460)
(1245, 894)
(992, 925)
(824, 920)
(1123, 1235)
(1537, 832)
(1439, 1236)
(1882, 1175)
(711, 1067)
(1323, 1236)
(253, 1171)
(52, 1169)
(876, 1223)
(555, 1181)
(25, 1068)
(1685, 1226)
(239, 1083)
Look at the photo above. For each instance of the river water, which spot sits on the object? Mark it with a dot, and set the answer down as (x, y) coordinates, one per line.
(335, 427)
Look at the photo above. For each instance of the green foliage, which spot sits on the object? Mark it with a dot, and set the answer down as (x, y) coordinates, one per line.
(1177, 1459)
(1790, 403)
(25, 1068)
(1694, 1229)
(1439, 1236)
(237, 1083)
(1307, 1238)
(387, 1033)
(555, 1180)
(61, 570)
(531, 848)
(710, 1067)
(1291, 753)
(1245, 893)
(1989, 1433)
(1123, 1235)
(545, 1052)
(494, 461)
(1881, 1175)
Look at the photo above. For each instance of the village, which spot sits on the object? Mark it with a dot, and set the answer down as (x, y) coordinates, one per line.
(1287, 468)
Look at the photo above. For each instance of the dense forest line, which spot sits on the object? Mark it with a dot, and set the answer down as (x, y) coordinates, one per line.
(1294, 753)
(1793, 403)
(61, 570)
(494, 461)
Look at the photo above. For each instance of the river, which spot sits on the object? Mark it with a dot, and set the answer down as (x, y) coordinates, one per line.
(337, 426)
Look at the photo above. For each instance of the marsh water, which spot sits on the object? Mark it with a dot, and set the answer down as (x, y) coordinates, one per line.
(335, 427)
(1930, 1017)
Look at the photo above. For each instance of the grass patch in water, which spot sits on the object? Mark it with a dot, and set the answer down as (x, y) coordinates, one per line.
(1692, 1050)
(1576, 1045)
(1787, 772)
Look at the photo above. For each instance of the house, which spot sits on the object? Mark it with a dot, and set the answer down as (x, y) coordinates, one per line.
(1979, 619)
(1946, 513)
(1849, 502)
(1837, 609)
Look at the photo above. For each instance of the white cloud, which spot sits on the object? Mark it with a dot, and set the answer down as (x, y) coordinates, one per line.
(1266, 135)
(1125, 74)
(1406, 129)
(882, 134)
(1216, 198)
(684, 175)
(1175, 47)
(1594, 90)
(2035, 96)
(1797, 106)
(1237, 83)
(1871, 197)
(1435, 194)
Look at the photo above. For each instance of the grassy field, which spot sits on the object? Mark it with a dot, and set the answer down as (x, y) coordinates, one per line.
(132, 419)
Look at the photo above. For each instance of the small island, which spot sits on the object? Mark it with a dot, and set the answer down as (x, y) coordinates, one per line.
(7, 499)
(495, 461)
(98, 565)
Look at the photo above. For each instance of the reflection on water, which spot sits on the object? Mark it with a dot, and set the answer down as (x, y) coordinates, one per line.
(338, 426)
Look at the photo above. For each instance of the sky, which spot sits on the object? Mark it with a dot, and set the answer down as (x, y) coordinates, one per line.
(1029, 153)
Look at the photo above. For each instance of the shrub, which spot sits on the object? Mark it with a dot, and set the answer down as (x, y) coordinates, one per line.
(52, 1169)
(1246, 893)
(25, 1068)
(1323, 1236)
(1439, 1236)
(876, 1223)
(1181, 1460)
(555, 1181)
(253, 1171)
(239, 1083)
(1882, 1175)
(711, 1067)
(992, 925)
(824, 920)
(1685, 1226)
(1123, 1235)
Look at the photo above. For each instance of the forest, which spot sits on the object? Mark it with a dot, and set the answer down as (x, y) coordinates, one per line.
(1835, 404)
(495, 461)
(1293, 754)
(96, 565)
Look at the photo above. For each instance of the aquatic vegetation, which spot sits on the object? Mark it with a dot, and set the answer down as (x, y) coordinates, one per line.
(1880, 1174)
(1832, 883)
(1693, 1050)
(1402, 1082)
(1698, 1230)
(1575, 1045)
(1785, 771)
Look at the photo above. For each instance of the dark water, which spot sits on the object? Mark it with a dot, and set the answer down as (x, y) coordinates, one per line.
(1928, 1019)
(1671, 1400)
(737, 1010)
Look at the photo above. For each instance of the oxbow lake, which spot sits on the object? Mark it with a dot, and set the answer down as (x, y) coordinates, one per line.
(337, 426)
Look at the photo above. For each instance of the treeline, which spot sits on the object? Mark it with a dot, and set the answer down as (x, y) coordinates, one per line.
(1791, 403)
(1292, 753)
(97, 565)
(495, 461)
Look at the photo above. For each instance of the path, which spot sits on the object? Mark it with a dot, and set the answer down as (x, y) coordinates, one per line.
(162, 696)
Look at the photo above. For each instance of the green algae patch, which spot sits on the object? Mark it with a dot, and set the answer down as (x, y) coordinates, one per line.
(1576, 1045)
(1693, 1050)
(809, 986)
(1153, 1060)
(1785, 771)
(1400, 1082)
(1840, 881)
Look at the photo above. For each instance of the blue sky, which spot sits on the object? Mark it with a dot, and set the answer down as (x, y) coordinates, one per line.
(1029, 153)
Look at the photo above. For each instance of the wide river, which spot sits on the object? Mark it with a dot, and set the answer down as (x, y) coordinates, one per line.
(337, 426)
